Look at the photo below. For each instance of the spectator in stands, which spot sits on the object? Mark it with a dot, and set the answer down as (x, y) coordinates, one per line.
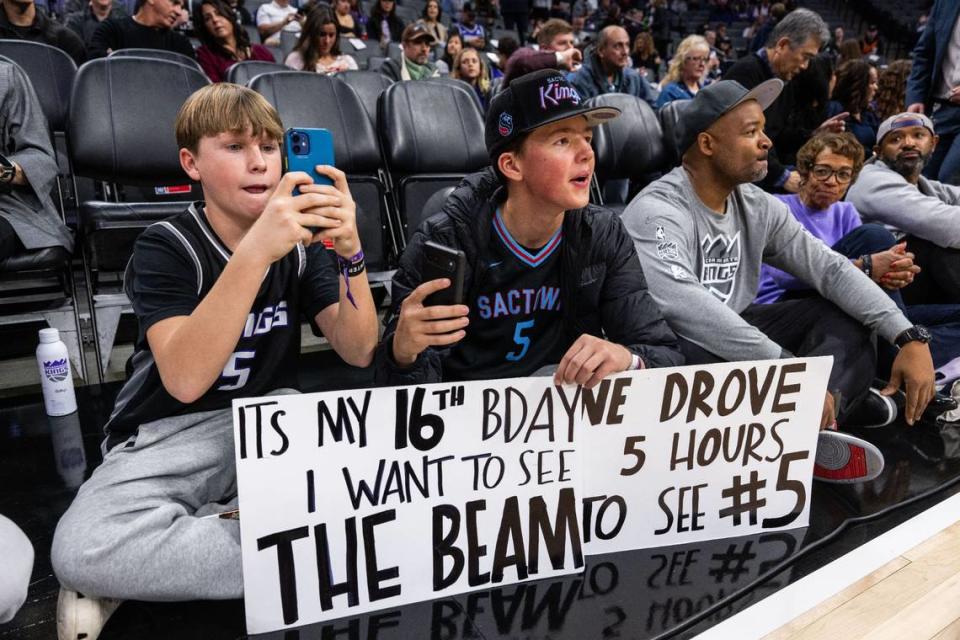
(849, 50)
(833, 47)
(777, 12)
(853, 94)
(516, 15)
(86, 21)
(243, 15)
(136, 529)
(471, 31)
(18, 566)
(926, 213)
(468, 67)
(28, 170)
(557, 51)
(892, 89)
(506, 47)
(870, 42)
(348, 26)
(431, 19)
(276, 16)
(660, 27)
(415, 63)
(702, 232)
(384, 26)
(829, 163)
(934, 87)
(686, 72)
(528, 216)
(792, 44)
(318, 48)
(607, 69)
(645, 57)
(223, 41)
(451, 49)
(151, 27)
(20, 20)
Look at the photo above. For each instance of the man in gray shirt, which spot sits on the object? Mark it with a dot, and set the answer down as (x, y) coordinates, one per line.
(926, 213)
(702, 232)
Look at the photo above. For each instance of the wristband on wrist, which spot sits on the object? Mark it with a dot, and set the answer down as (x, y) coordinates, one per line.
(867, 263)
(352, 266)
(636, 363)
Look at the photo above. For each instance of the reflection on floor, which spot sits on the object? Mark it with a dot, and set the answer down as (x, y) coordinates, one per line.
(642, 594)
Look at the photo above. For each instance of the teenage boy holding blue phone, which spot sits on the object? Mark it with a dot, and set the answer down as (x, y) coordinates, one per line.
(550, 280)
(219, 291)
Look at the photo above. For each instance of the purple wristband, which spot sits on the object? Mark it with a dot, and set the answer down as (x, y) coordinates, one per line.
(351, 266)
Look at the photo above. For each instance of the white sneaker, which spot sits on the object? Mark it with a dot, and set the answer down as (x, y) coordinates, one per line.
(80, 617)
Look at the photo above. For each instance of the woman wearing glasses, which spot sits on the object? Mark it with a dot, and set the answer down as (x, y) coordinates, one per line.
(686, 72)
(828, 163)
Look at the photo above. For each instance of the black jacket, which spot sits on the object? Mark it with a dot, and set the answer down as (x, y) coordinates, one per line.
(598, 261)
(45, 31)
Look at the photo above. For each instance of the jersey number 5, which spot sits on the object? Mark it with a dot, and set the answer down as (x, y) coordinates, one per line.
(521, 340)
(233, 370)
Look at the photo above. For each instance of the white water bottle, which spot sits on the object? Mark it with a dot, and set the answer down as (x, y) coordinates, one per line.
(56, 377)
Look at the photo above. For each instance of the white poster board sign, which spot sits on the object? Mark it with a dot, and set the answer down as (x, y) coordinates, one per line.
(357, 501)
(364, 500)
(700, 452)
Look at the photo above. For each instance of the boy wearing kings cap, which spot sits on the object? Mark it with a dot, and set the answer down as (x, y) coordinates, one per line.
(551, 281)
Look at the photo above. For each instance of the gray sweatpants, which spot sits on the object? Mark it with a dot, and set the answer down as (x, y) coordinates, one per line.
(17, 554)
(136, 529)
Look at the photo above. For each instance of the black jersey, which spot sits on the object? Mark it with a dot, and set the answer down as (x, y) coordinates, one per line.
(516, 323)
(175, 264)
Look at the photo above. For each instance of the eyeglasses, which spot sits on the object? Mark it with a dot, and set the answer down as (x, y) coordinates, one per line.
(822, 172)
(695, 59)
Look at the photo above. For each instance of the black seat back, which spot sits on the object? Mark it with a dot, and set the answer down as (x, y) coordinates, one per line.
(306, 99)
(670, 116)
(432, 135)
(51, 72)
(244, 72)
(631, 146)
(368, 85)
(157, 54)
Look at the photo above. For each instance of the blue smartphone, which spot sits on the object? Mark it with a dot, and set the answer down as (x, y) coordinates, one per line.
(304, 149)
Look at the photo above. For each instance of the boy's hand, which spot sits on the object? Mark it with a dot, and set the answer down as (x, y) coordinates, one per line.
(589, 360)
(419, 327)
(283, 223)
(339, 212)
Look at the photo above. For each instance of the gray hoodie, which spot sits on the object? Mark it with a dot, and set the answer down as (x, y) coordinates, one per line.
(703, 268)
(930, 210)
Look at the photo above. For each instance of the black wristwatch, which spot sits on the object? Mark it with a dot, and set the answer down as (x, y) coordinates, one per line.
(7, 171)
(916, 333)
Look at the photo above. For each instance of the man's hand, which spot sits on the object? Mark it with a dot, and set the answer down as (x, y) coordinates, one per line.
(913, 369)
(591, 359)
(792, 184)
(339, 212)
(916, 107)
(835, 124)
(894, 268)
(419, 327)
(828, 418)
(285, 220)
(570, 58)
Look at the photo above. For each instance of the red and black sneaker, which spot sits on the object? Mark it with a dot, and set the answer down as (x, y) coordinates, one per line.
(844, 459)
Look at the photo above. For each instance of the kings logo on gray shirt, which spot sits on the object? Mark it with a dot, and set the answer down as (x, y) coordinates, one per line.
(720, 259)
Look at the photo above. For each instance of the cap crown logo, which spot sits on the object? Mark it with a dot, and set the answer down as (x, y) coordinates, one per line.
(505, 126)
(554, 93)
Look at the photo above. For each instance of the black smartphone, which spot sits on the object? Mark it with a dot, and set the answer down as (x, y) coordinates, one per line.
(438, 262)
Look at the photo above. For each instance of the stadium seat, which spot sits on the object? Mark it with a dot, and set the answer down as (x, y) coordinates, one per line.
(459, 83)
(432, 135)
(288, 41)
(244, 72)
(375, 62)
(669, 116)
(368, 85)
(306, 99)
(629, 147)
(157, 54)
(362, 56)
(121, 133)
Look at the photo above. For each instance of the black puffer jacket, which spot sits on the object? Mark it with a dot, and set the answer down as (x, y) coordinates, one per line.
(598, 261)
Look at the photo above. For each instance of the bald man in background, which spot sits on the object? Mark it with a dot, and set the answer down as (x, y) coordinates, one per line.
(606, 69)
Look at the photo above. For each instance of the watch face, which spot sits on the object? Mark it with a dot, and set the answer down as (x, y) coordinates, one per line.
(924, 334)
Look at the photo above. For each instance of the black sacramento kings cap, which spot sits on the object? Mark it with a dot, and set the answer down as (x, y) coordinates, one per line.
(532, 101)
(717, 99)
